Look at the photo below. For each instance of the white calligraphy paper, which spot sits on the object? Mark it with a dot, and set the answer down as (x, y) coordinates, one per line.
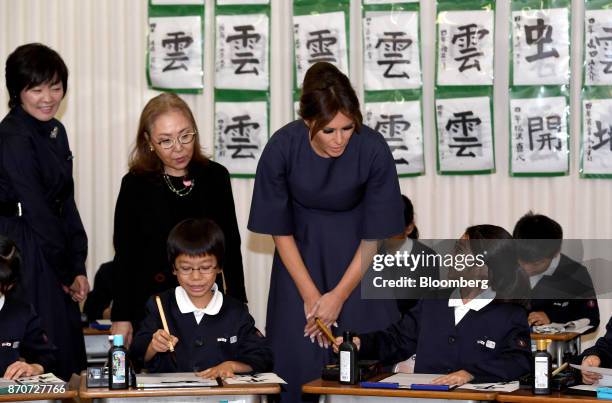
(597, 136)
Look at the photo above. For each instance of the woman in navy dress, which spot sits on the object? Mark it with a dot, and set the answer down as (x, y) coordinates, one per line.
(37, 207)
(324, 184)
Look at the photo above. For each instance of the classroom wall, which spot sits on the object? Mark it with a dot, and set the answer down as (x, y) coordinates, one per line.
(103, 44)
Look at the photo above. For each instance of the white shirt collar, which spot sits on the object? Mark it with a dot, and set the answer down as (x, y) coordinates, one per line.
(1, 301)
(552, 267)
(186, 306)
(476, 304)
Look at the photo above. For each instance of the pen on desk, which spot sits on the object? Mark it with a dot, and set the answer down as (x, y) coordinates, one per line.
(325, 331)
(561, 368)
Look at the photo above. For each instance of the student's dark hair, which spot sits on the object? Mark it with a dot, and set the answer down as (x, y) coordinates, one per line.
(196, 237)
(498, 249)
(10, 264)
(409, 217)
(31, 65)
(538, 237)
(325, 92)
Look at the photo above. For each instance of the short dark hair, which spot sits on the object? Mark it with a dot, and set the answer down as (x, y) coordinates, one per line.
(196, 237)
(10, 264)
(545, 236)
(409, 217)
(325, 92)
(31, 65)
(500, 256)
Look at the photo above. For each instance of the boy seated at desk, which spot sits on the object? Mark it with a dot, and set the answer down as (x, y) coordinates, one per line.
(470, 334)
(211, 334)
(561, 288)
(25, 349)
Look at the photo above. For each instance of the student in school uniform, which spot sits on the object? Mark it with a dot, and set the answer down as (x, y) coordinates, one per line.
(561, 288)
(408, 241)
(600, 355)
(25, 349)
(472, 334)
(211, 333)
(98, 302)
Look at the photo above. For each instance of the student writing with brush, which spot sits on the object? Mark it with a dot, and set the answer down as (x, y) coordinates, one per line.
(195, 327)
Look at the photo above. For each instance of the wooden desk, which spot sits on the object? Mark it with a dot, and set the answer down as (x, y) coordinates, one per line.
(90, 331)
(525, 396)
(561, 340)
(321, 387)
(69, 395)
(104, 394)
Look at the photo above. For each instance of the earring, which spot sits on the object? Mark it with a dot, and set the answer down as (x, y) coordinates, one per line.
(150, 148)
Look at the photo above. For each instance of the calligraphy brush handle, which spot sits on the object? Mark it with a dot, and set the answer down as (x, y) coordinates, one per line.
(163, 319)
(325, 331)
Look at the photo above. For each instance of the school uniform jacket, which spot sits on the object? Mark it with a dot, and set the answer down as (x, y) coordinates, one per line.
(492, 344)
(230, 335)
(21, 335)
(566, 295)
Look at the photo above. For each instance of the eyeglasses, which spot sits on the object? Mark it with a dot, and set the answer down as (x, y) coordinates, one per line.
(187, 271)
(184, 138)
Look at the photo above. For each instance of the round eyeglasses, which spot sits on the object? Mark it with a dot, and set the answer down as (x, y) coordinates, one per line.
(184, 138)
(187, 271)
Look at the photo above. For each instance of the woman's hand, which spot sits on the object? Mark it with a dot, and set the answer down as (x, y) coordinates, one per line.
(79, 288)
(327, 308)
(123, 328)
(454, 378)
(311, 329)
(591, 377)
(20, 369)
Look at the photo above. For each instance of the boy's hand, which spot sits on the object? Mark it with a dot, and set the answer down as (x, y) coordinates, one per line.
(161, 341)
(224, 370)
(20, 369)
(454, 378)
(340, 340)
(591, 377)
(538, 318)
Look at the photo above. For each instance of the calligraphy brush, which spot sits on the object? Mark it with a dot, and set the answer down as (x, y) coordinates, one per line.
(165, 324)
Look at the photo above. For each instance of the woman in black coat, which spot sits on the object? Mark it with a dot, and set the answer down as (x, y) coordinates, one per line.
(37, 207)
(169, 180)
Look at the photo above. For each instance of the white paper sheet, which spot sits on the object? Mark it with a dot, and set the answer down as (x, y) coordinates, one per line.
(606, 373)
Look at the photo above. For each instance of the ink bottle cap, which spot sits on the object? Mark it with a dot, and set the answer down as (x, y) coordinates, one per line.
(118, 340)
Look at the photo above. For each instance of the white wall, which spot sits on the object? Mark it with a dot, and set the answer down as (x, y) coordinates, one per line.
(103, 44)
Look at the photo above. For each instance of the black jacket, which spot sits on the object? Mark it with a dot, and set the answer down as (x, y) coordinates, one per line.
(230, 335)
(146, 211)
(566, 295)
(21, 335)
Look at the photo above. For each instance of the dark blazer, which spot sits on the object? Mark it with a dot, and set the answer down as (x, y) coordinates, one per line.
(36, 170)
(229, 335)
(492, 344)
(21, 335)
(146, 211)
(566, 295)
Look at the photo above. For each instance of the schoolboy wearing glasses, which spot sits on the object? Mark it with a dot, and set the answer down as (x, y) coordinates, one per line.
(212, 334)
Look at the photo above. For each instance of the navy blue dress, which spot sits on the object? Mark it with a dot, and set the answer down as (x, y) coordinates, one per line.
(36, 170)
(329, 205)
